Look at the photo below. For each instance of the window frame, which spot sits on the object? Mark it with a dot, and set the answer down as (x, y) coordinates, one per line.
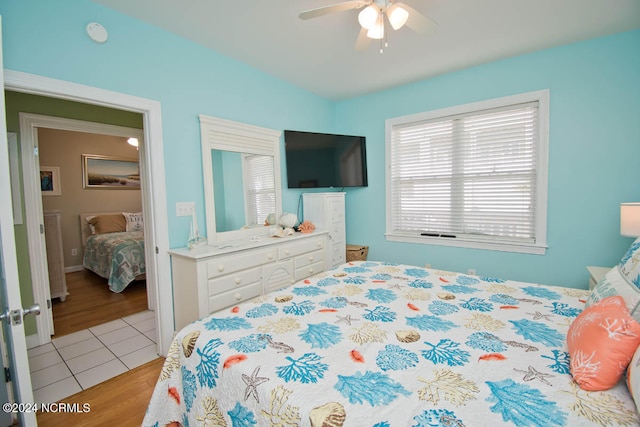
(542, 146)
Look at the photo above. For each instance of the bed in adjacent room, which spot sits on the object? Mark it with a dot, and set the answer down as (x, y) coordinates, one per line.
(114, 247)
(382, 344)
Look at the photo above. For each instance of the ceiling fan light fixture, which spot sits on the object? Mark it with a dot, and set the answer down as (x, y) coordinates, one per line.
(377, 30)
(397, 16)
(368, 16)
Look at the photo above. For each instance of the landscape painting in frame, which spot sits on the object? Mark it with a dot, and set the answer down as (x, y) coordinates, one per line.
(107, 172)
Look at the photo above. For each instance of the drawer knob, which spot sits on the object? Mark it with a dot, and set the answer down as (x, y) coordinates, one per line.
(238, 297)
(311, 258)
(287, 252)
(270, 256)
(221, 267)
(319, 244)
(238, 281)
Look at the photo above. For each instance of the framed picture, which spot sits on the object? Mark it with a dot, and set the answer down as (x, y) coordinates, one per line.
(113, 173)
(50, 181)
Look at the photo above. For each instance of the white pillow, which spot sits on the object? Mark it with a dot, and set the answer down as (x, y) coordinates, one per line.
(615, 283)
(91, 226)
(134, 221)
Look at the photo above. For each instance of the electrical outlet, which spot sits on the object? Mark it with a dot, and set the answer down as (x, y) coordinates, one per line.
(185, 208)
(74, 252)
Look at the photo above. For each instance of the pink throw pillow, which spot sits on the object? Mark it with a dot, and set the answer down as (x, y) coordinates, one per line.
(602, 341)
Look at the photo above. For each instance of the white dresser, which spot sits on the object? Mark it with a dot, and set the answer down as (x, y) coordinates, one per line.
(55, 254)
(211, 278)
(327, 212)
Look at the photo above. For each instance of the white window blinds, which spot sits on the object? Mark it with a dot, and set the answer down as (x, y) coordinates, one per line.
(260, 188)
(470, 176)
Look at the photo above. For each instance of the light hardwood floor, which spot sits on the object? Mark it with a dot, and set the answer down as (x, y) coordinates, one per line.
(121, 401)
(91, 303)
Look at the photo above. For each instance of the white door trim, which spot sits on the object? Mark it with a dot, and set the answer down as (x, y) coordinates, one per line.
(151, 161)
(29, 125)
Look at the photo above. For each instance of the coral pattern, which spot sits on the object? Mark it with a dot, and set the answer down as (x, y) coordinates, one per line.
(387, 345)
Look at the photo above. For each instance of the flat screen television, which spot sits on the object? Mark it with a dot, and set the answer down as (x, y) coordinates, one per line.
(322, 160)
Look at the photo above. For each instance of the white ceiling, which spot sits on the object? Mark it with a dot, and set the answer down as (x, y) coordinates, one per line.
(319, 55)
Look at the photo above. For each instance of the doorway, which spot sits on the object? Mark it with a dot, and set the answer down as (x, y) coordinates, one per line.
(151, 163)
(69, 138)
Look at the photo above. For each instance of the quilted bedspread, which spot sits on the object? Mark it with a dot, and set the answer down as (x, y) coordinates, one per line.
(380, 344)
(118, 257)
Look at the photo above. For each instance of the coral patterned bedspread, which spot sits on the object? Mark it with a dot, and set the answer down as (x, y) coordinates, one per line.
(381, 344)
(118, 257)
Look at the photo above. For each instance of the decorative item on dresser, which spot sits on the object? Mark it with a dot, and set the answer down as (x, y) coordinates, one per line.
(55, 254)
(208, 279)
(327, 212)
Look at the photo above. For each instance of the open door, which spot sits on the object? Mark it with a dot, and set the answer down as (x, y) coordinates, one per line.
(11, 312)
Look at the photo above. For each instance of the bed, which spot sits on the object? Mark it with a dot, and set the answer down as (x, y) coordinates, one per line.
(383, 344)
(113, 248)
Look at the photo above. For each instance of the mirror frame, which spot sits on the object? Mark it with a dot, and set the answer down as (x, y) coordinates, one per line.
(228, 135)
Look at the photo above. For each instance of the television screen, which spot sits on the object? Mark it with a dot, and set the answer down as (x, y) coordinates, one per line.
(321, 160)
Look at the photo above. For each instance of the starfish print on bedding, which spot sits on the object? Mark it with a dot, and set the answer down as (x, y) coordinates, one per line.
(533, 374)
(252, 383)
(346, 319)
(537, 316)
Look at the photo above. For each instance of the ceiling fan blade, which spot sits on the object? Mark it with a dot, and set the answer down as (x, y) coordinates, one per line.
(363, 42)
(314, 13)
(417, 21)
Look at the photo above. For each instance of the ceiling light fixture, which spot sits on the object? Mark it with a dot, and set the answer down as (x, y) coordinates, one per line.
(368, 16)
(133, 141)
(375, 16)
(397, 15)
(372, 17)
(376, 31)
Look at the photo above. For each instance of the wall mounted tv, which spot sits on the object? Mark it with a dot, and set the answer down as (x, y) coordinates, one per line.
(322, 160)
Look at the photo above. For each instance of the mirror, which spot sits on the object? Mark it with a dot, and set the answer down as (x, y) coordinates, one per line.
(241, 172)
(244, 189)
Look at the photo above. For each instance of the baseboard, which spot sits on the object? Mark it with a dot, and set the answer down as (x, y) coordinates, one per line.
(32, 341)
(73, 269)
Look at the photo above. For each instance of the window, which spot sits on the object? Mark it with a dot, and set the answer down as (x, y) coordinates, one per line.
(472, 176)
(260, 198)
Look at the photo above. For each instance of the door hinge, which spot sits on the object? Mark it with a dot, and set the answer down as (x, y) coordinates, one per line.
(35, 151)
(48, 304)
(41, 228)
(157, 250)
(7, 375)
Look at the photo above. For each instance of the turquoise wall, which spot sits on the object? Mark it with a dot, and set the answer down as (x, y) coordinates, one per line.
(594, 156)
(594, 125)
(145, 61)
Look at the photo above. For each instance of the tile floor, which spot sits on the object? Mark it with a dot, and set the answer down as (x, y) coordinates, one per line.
(77, 361)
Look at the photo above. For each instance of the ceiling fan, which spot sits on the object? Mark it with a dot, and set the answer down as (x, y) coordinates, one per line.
(374, 16)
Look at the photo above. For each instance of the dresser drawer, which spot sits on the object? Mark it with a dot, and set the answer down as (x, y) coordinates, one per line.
(309, 270)
(225, 265)
(277, 275)
(233, 281)
(308, 259)
(336, 209)
(338, 254)
(234, 296)
(300, 248)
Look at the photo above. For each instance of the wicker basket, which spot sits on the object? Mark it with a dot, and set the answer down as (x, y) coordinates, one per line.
(357, 253)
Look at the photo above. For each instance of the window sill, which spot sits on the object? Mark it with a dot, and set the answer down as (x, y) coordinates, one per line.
(534, 249)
